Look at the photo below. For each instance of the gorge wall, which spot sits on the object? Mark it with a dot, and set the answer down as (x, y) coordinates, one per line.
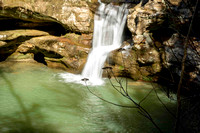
(75, 15)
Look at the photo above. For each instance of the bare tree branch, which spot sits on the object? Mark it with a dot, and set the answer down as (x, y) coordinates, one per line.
(182, 72)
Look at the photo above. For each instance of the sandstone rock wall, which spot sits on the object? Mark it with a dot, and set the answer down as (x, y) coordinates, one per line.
(158, 30)
(75, 14)
(142, 19)
(33, 45)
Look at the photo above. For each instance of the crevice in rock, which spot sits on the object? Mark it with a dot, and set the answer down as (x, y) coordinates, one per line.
(20, 18)
(47, 53)
(52, 28)
(39, 57)
(161, 36)
(127, 34)
(145, 64)
(11, 47)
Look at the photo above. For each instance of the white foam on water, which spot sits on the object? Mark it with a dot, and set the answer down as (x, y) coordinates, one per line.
(74, 78)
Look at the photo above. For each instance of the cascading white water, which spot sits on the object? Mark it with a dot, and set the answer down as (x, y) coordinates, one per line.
(108, 28)
(109, 22)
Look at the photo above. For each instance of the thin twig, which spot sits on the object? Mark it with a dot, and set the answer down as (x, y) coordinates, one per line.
(182, 72)
(107, 100)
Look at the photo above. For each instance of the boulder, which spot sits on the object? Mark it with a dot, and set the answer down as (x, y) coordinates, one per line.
(2, 44)
(10, 40)
(143, 19)
(83, 39)
(56, 52)
(65, 52)
(138, 64)
(175, 2)
(14, 34)
(158, 31)
(174, 51)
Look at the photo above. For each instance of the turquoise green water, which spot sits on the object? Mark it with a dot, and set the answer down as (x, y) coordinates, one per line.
(34, 99)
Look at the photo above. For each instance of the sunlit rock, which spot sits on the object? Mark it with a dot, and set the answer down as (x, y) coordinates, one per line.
(14, 34)
(12, 18)
(143, 19)
(74, 14)
(135, 63)
(56, 52)
(84, 39)
(175, 2)
(2, 44)
(10, 40)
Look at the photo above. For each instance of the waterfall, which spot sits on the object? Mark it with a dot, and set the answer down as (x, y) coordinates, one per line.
(109, 22)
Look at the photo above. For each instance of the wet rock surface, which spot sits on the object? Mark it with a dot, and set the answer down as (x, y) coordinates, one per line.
(138, 64)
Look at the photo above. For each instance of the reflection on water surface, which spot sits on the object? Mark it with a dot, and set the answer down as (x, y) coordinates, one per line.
(34, 99)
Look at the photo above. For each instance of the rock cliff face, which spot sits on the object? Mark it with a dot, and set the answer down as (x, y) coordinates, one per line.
(143, 19)
(142, 64)
(159, 29)
(33, 45)
(143, 58)
(74, 14)
(61, 37)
